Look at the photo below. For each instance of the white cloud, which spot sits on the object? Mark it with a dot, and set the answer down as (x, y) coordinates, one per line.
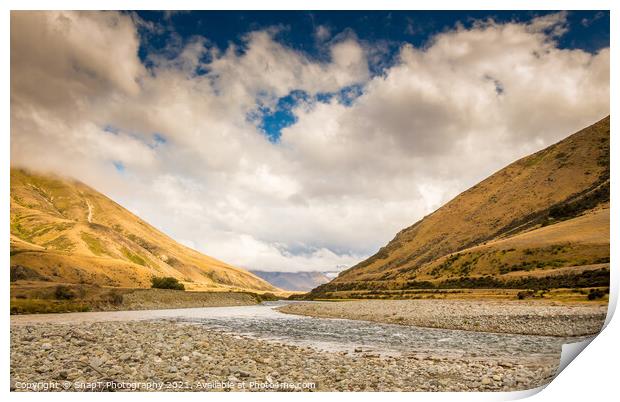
(322, 33)
(342, 180)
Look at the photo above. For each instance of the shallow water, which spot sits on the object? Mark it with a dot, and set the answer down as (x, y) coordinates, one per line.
(263, 322)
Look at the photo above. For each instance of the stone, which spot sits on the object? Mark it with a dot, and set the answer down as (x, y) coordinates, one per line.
(72, 375)
(41, 369)
(96, 362)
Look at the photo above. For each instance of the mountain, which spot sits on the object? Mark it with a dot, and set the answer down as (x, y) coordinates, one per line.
(542, 221)
(294, 281)
(64, 231)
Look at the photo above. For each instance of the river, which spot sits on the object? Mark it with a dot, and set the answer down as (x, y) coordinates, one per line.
(263, 322)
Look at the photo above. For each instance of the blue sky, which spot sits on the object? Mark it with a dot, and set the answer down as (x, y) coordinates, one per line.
(589, 30)
(387, 30)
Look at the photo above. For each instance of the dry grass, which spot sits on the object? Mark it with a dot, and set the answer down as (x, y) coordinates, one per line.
(571, 244)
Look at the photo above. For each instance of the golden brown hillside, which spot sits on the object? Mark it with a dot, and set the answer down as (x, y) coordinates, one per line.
(547, 211)
(64, 231)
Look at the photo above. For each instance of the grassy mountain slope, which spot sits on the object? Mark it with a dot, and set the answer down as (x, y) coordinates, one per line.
(546, 211)
(64, 231)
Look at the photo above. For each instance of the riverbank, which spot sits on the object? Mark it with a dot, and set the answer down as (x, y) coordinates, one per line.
(515, 317)
(81, 298)
(173, 356)
(150, 299)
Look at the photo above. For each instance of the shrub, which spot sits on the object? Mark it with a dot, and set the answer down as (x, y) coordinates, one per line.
(525, 294)
(115, 298)
(267, 296)
(64, 293)
(166, 282)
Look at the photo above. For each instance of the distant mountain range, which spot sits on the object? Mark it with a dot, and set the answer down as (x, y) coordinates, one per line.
(296, 281)
(64, 231)
(541, 222)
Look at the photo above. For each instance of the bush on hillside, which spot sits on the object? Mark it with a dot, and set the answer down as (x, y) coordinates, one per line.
(595, 294)
(64, 293)
(267, 296)
(166, 282)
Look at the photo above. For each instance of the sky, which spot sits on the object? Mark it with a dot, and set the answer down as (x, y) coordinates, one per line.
(296, 141)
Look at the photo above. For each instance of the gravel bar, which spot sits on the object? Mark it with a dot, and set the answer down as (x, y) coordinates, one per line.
(485, 316)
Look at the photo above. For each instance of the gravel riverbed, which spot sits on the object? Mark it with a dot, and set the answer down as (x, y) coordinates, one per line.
(487, 316)
(173, 356)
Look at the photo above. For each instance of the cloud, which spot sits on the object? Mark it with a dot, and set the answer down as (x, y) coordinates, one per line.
(554, 24)
(61, 57)
(342, 179)
(268, 70)
(322, 33)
